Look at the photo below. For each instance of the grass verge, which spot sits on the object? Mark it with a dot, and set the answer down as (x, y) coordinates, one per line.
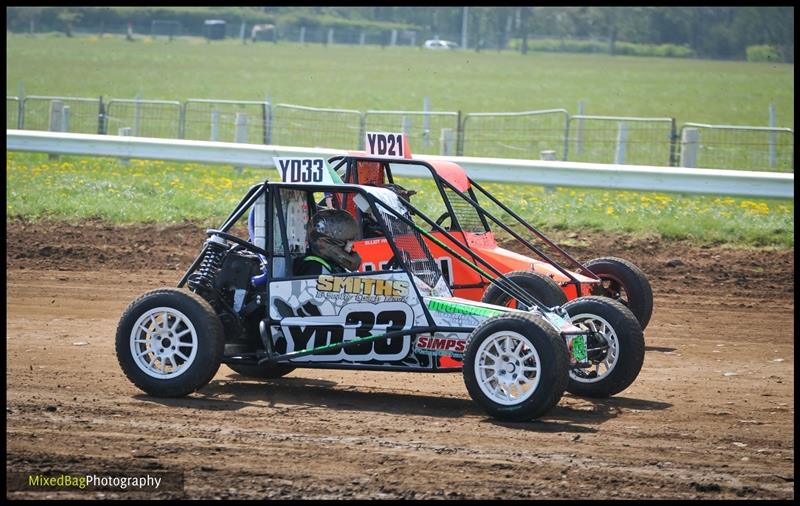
(145, 191)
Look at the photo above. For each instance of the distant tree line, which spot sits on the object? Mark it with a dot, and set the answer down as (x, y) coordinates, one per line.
(710, 32)
(706, 32)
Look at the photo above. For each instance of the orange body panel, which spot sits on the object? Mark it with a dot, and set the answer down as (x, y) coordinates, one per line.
(467, 283)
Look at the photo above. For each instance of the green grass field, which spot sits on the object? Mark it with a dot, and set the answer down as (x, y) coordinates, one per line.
(73, 189)
(370, 77)
(392, 78)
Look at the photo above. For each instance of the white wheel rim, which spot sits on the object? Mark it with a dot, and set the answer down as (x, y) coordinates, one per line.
(163, 343)
(606, 332)
(507, 367)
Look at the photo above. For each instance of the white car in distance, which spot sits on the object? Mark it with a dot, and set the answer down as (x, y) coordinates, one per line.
(439, 44)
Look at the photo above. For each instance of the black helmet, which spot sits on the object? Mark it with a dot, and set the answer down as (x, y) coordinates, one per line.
(329, 231)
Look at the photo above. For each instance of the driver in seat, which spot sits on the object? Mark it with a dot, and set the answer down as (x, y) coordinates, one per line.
(331, 233)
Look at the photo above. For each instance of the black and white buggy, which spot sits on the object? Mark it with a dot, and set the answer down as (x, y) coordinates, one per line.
(241, 304)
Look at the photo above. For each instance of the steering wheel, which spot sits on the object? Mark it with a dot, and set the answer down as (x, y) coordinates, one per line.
(441, 219)
(241, 242)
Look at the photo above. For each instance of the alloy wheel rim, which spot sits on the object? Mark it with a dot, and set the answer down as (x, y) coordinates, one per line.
(605, 332)
(507, 367)
(163, 343)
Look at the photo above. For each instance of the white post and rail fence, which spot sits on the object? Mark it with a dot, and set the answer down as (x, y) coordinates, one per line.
(540, 172)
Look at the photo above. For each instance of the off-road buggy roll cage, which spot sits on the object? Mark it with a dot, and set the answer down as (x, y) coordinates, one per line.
(444, 174)
(247, 306)
(417, 265)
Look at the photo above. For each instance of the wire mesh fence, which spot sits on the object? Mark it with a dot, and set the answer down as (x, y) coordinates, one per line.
(294, 125)
(546, 134)
(737, 147)
(12, 112)
(428, 132)
(348, 35)
(63, 114)
(516, 134)
(145, 118)
(226, 121)
(621, 140)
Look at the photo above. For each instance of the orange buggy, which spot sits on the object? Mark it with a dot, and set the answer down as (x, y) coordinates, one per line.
(551, 276)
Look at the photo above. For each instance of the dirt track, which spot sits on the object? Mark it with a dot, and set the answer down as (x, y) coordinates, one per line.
(710, 415)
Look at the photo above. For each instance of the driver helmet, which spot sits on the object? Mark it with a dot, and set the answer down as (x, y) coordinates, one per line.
(331, 233)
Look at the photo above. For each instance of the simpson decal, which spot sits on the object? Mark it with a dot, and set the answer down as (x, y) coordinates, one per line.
(452, 345)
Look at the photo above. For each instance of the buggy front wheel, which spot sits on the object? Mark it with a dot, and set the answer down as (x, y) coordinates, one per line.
(615, 347)
(169, 342)
(516, 366)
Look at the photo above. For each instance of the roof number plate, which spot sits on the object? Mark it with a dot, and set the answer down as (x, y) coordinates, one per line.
(303, 170)
(387, 145)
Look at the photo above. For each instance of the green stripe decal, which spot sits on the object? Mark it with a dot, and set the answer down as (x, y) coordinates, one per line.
(453, 307)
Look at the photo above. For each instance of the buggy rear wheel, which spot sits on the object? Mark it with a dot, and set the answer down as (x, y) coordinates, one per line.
(169, 342)
(262, 371)
(543, 288)
(516, 366)
(615, 348)
(625, 282)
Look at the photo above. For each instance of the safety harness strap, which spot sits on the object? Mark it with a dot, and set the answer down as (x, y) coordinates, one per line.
(312, 258)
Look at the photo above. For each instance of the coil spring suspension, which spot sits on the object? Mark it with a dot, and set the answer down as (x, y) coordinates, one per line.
(203, 278)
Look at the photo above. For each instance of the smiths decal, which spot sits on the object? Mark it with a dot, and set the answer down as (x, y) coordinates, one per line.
(363, 286)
